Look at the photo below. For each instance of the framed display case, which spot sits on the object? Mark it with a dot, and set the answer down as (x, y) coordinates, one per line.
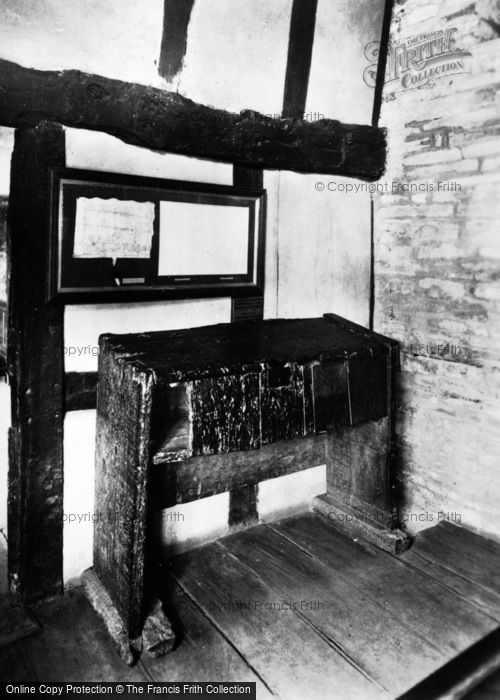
(118, 236)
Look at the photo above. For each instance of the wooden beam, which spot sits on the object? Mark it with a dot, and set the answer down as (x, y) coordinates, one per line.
(199, 477)
(382, 61)
(243, 507)
(80, 390)
(166, 121)
(243, 499)
(300, 47)
(176, 16)
(248, 308)
(248, 177)
(35, 358)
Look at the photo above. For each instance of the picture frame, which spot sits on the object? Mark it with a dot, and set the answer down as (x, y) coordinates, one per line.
(120, 237)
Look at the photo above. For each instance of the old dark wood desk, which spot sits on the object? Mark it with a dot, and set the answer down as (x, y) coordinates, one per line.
(186, 414)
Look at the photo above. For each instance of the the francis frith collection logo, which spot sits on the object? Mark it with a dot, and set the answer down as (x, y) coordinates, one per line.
(418, 61)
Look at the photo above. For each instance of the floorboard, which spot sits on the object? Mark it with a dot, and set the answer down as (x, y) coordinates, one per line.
(437, 614)
(302, 610)
(201, 652)
(389, 651)
(287, 653)
(461, 560)
(424, 560)
(74, 644)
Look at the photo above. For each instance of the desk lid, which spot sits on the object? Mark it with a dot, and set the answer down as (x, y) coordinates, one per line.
(235, 348)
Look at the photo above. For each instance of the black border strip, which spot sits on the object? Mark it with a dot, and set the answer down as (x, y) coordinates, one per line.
(382, 61)
(462, 673)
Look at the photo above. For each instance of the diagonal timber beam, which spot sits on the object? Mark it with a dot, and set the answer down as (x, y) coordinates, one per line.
(167, 121)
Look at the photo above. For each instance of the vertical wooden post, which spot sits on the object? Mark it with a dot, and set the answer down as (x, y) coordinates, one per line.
(360, 496)
(247, 308)
(243, 501)
(36, 366)
(176, 16)
(382, 61)
(300, 46)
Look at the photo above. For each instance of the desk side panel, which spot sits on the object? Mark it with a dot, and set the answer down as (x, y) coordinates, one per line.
(124, 397)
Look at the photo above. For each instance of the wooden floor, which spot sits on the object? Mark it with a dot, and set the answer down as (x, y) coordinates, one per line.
(298, 608)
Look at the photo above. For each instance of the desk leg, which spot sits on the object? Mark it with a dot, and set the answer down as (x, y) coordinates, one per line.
(358, 498)
(118, 586)
(157, 637)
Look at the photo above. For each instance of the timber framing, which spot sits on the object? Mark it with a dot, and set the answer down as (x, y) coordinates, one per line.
(80, 391)
(36, 369)
(201, 477)
(166, 121)
(243, 499)
(176, 16)
(300, 48)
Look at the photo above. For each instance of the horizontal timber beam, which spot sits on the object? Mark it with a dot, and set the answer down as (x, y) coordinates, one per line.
(80, 390)
(166, 121)
(200, 477)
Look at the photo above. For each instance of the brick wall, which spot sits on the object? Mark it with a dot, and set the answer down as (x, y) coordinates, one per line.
(437, 259)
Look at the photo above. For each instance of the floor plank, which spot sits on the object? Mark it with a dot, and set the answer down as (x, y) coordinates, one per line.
(423, 559)
(201, 653)
(389, 651)
(439, 615)
(369, 620)
(464, 554)
(292, 659)
(74, 644)
(468, 538)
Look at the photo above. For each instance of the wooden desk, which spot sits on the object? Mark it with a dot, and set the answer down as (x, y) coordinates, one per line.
(186, 414)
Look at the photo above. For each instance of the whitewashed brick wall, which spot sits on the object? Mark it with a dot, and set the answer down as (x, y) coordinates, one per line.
(437, 270)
